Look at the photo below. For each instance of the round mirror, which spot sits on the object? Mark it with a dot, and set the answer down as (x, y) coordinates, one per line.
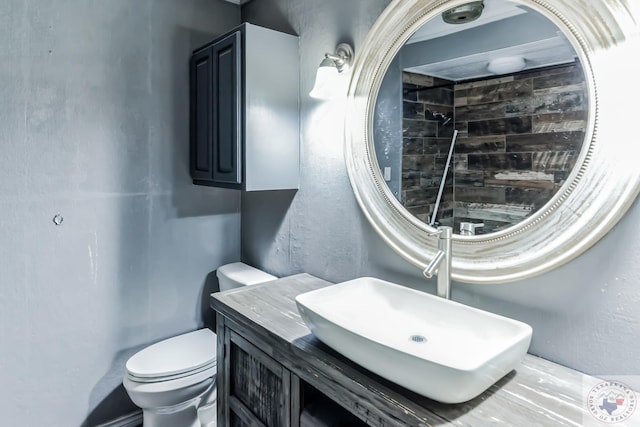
(480, 117)
(503, 119)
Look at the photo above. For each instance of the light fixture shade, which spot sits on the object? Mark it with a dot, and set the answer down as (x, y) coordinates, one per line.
(506, 64)
(326, 77)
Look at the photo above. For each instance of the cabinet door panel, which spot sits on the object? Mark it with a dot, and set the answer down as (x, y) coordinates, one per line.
(237, 422)
(258, 386)
(227, 120)
(201, 156)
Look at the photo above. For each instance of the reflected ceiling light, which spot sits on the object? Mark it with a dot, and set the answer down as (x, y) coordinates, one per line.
(464, 13)
(506, 64)
(329, 69)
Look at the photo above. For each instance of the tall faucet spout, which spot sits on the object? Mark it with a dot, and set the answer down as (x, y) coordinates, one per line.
(432, 268)
(444, 271)
(441, 263)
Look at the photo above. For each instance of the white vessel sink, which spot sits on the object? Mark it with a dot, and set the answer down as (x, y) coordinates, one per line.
(435, 347)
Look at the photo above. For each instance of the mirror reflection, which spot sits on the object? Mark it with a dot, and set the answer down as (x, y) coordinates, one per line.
(478, 123)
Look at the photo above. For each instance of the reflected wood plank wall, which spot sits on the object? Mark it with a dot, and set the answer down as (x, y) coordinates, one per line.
(427, 128)
(519, 137)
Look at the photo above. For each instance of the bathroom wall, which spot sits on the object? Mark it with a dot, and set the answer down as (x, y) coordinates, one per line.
(428, 114)
(585, 314)
(387, 125)
(519, 137)
(94, 127)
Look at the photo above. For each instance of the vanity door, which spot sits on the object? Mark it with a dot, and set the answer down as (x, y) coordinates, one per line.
(257, 389)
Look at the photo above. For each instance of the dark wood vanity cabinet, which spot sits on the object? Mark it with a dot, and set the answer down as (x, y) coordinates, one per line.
(258, 388)
(244, 114)
(255, 389)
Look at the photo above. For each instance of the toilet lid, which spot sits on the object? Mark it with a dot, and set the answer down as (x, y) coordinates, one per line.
(175, 356)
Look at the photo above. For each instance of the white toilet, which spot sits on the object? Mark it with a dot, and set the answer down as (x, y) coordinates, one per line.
(173, 381)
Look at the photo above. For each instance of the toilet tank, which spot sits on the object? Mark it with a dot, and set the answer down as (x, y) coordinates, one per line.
(239, 274)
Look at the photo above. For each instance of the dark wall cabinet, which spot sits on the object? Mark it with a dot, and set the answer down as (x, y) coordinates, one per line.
(244, 111)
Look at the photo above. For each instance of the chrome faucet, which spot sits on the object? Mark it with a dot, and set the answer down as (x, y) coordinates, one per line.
(469, 228)
(441, 263)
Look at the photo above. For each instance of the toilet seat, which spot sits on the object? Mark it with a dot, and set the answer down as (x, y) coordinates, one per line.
(174, 358)
(159, 378)
(169, 386)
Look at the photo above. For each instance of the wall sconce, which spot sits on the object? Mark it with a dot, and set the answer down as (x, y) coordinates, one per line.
(329, 70)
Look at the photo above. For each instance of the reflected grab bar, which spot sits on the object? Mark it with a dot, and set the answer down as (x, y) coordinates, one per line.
(444, 178)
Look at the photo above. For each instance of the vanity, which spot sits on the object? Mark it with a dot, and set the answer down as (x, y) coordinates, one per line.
(273, 372)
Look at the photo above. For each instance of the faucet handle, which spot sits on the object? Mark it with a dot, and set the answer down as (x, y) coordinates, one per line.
(469, 228)
(443, 231)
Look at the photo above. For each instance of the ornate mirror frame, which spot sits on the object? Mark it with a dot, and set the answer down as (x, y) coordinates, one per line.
(598, 192)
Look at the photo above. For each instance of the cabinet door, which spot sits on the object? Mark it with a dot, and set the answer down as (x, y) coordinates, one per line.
(226, 114)
(200, 115)
(258, 389)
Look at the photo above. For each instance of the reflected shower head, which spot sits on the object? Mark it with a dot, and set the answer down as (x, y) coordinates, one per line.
(442, 116)
(464, 13)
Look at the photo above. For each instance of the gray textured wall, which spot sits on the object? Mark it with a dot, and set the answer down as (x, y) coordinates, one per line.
(585, 315)
(388, 126)
(94, 126)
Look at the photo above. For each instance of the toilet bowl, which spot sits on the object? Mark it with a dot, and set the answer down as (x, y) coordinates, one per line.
(174, 381)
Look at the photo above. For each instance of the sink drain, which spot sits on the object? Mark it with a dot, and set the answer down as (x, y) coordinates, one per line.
(418, 339)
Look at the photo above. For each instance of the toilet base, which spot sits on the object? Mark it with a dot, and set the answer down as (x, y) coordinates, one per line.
(174, 403)
(208, 415)
(201, 411)
(183, 415)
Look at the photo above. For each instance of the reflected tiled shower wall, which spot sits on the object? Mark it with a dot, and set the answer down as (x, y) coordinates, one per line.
(519, 137)
(427, 127)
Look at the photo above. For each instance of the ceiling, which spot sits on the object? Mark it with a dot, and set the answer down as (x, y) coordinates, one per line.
(494, 10)
(463, 51)
(505, 29)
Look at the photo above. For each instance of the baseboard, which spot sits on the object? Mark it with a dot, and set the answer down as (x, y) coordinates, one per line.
(134, 419)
